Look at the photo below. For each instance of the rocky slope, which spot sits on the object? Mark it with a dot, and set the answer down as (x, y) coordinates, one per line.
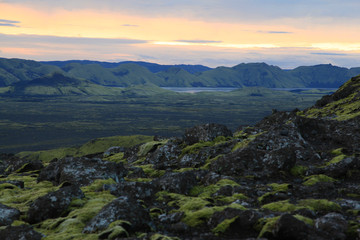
(294, 175)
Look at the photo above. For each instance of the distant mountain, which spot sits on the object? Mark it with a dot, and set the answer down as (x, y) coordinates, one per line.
(324, 75)
(17, 70)
(59, 85)
(126, 74)
(152, 67)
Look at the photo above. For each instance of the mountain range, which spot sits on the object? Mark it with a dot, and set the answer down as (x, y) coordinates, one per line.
(126, 74)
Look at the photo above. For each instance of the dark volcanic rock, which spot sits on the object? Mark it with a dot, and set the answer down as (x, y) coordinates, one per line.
(8, 215)
(179, 182)
(137, 190)
(122, 208)
(242, 224)
(288, 227)
(333, 225)
(205, 133)
(23, 232)
(10, 163)
(166, 156)
(54, 204)
(81, 171)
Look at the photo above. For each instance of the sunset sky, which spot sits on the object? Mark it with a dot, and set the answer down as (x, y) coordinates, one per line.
(209, 32)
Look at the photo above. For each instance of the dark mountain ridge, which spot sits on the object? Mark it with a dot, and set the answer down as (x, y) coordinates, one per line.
(136, 73)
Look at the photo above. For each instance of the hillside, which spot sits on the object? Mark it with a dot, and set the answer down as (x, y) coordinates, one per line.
(57, 84)
(125, 74)
(293, 175)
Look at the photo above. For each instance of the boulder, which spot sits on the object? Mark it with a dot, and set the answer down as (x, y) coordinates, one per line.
(53, 204)
(240, 223)
(178, 182)
(205, 133)
(22, 232)
(10, 163)
(8, 215)
(334, 225)
(289, 227)
(123, 208)
(166, 156)
(137, 190)
(81, 171)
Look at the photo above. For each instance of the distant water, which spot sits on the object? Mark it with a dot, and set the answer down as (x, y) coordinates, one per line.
(303, 89)
(199, 89)
(229, 89)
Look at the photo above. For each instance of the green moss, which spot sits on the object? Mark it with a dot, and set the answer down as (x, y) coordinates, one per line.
(7, 186)
(138, 179)
(155, 212)
(353, 229)
(117, 158)
(298, 170)
(115, 230)
(223, 226)
(21, 198)
(280, 206)
(150, 171)
(158, 236)
(18, 223)
(276, 188)
(207, 191)
(81, 212)
(231, 199)
(146, 147)
(306, 220)
(337, 151)
(246, 139)
(319, 205)
(197, 210)
(98, 184)
(94, 146)
(312, 180)
(193, 149)
(336, 159)
(266, 226)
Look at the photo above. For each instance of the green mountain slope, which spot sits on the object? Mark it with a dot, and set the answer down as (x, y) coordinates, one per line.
(344, 104)
(17, 70)
(178, 77)
(57, 85)
(324, 75)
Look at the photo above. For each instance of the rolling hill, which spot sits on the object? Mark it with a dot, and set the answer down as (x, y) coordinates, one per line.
(125, 74)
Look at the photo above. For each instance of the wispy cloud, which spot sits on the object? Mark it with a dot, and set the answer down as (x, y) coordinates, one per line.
(8, 23)
(275, 32)
(198, 41)
(28, 38)
(130, 25)
(329, 54)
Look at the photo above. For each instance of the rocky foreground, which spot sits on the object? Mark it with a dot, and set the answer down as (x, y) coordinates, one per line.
(294, 175)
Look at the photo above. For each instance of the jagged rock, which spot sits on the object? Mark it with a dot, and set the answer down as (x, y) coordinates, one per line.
(207, 132)
(53, 204)
(23, 232)
(178, 182)
(81, 171)
(334, 225)
(10, 163)
(166, 156)
(241, 222)
(8, 215)
(289, 227)
(123, 208)
(137, 190)
(137, 172)
(113, 150)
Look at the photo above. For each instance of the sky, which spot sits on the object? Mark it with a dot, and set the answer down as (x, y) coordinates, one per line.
(208, 32)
